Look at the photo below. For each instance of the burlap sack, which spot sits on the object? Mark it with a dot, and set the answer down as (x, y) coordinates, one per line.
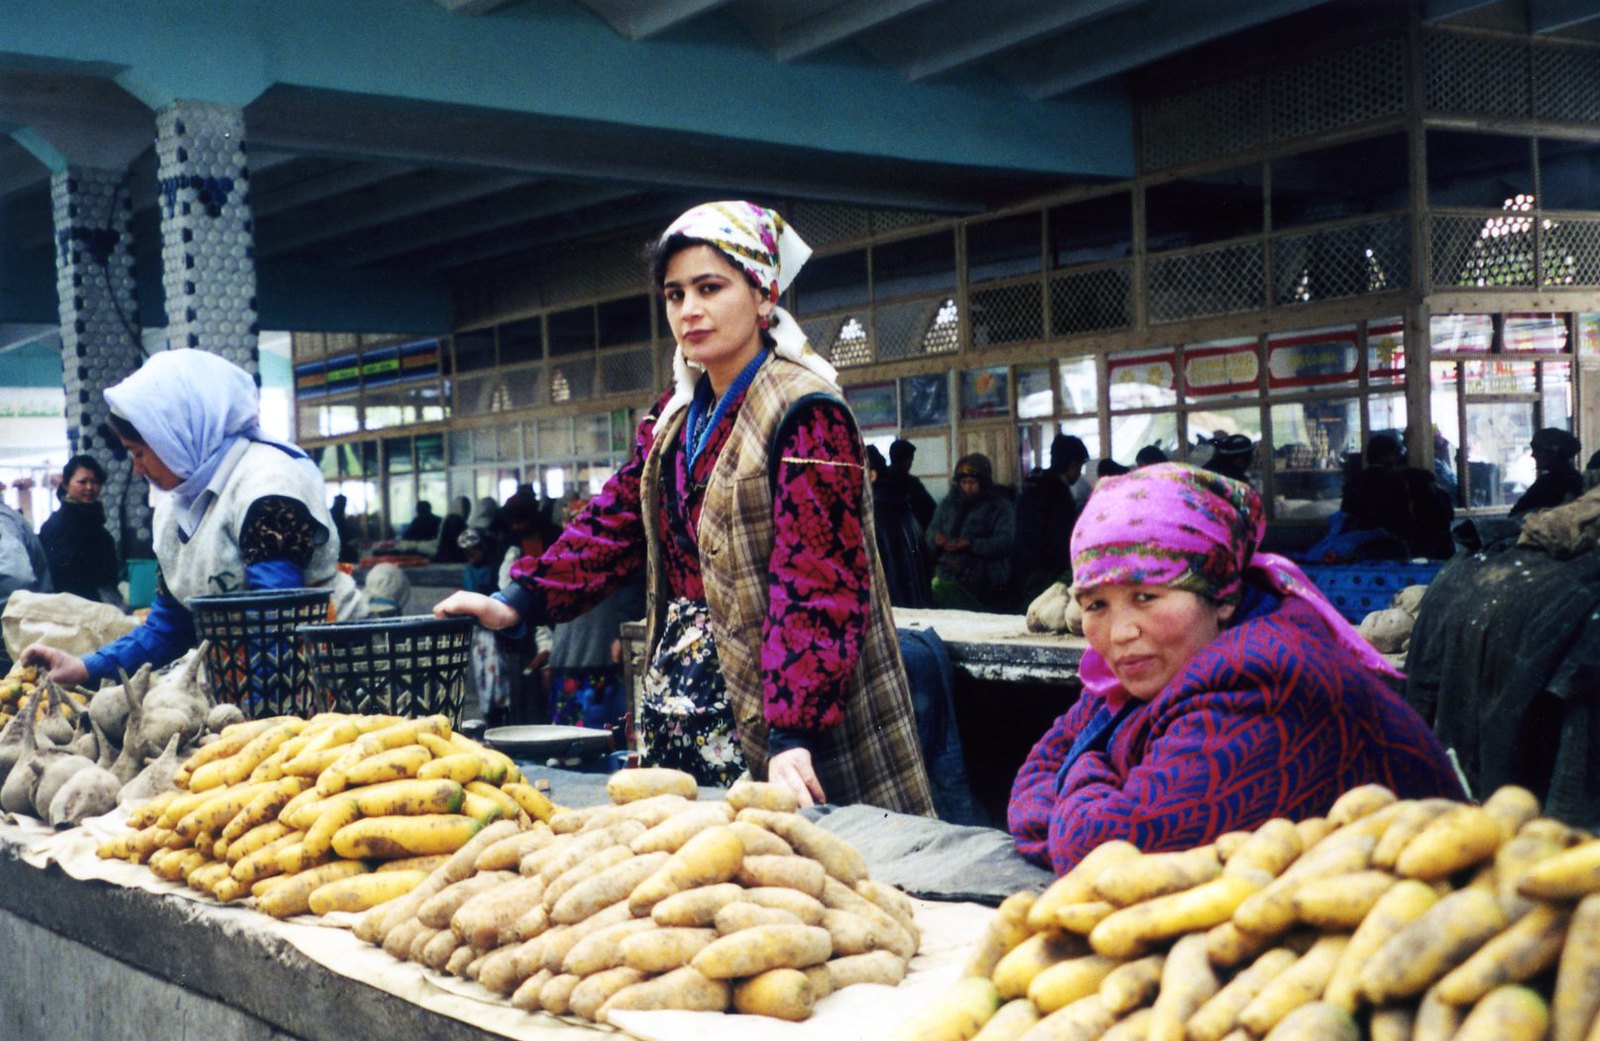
(62, 620)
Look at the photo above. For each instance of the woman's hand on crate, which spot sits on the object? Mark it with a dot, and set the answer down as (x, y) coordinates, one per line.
(490, 613)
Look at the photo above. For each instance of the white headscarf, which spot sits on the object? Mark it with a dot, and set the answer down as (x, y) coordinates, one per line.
(192, 408)
(772, 253)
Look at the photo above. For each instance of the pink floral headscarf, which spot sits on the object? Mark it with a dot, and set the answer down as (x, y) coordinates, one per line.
(1180, 526)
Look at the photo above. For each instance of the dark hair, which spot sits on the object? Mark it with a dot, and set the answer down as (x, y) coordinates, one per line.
(76, 463)
(1070, 448)
(660, 254)
(902, 449)
(125, 430)
(1383, 445)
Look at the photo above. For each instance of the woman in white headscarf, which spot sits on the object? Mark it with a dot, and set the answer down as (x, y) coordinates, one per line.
(241, 510)
(746, 505)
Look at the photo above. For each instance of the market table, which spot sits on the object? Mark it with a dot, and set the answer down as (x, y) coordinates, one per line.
(105, 951)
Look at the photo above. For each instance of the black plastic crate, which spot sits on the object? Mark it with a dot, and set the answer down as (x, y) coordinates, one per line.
(411, 666)
(253, 658)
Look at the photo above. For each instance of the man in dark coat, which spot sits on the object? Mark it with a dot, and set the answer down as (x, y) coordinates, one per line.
(1046, 512)
(898, 482)
(1559, 480)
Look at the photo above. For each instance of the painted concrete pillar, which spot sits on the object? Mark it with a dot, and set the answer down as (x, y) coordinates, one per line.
(207, 235)
(99, 333)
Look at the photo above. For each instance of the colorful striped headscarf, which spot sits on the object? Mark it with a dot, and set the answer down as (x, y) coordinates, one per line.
(760, 242)
(1186, 528)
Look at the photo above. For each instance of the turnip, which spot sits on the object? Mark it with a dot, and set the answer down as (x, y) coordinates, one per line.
(133, 690)
(176, 704)
(109, 708)
(53, 774)
(87, 793)
(155, 778)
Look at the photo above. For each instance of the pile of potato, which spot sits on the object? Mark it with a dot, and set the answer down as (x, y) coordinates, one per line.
(1389, 919)
(657, 901)
(22, 684)
(335, 813)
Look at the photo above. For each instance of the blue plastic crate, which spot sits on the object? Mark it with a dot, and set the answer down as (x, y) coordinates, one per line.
(1359, 589)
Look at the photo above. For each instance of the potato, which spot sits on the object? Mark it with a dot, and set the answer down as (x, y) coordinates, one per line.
(712, 856)
(436, 911)
(1013, 1019)
(1271, 910)
(565, 854)
(778, 993)
(1512, 861)
(1359, 802)
(683, 989)
(1135, 1026)
(759, 841)
(427, 864)
(638, 783)
(1458, 839)
(1016, 970)
(1316, 1021)
(1132, 984)
(397, 941)
(294, 896)
(1392, 1023)
(436, 954)
(1526, 948)
(503, 969)
(602, 949)
(1313, 830)
(606, 888)
(1077, 885)
(891, 934)
(1157, 874)
(561, 939)
(883, 967)
(696, 907)
(419, 943)
(1437, 941)
(526, 996)
(507, 853)
(1569, 875)
(486, 919)
(1407, 825)
(555, 996)
(890, 899)
(1087, 1017)
(1227, 945)
(1576, 998)
(670, 835)
(1512, 806)
(853, 934)
(1220, 1014)
(808, 909)
(1270, 848)
(361, 892)
(837, 857)
(1066, 981)
(1340, 902)
(1506, 1013)
(403, 836)
(755, 950)
(798, 873)
(1006, 930)
(1187, 982)
(763, 796)
(662, 950)
(1128, 933)
(957, 1013)
(742, 914)
(1404, 903)
(593, 991)
(1298, 984)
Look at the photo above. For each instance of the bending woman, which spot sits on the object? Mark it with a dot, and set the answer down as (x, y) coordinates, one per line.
(241, 511)
(1220, 688)
(745, 503)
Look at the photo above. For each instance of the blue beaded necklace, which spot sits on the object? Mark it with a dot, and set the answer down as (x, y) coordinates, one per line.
(699, 425)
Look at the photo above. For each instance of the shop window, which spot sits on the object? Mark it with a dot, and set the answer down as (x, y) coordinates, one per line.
(571, 331)
(1480, 171)
(430, 452)
(1386, 353)
(1086, 430)
(1004, 248)
(1347, 180)
(1091, 231)
(1313, 443)
(832, 283)
(1210, 208)
(1080, 387)
(876, 405)
(521, 341)
(925, 264)
(1208, 423)
(1134, 431)
(1035, 397)
(1544, 333)
(397, 455)
(1569, 174)
(625, 321)
(1499, 465)
(1141, 379)
(474, 350)
(1461, 333)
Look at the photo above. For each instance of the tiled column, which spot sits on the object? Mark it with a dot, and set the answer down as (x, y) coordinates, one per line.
(99, 333)
(207, 236)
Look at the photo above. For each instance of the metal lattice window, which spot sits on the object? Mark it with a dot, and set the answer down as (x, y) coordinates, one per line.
(1218, 120)
(1007, 314)
(626, 370)
(527, 387)
(821, 225)
(572, 379)
(821, 332)
(1089, 301)
(1351, 86)
(893, 220)
(853, 344)
(1494, 250)
(1566, 83)
(1571, 252)
(903, 329)
(1471, 74)
(1370, 257)
(1213, 281)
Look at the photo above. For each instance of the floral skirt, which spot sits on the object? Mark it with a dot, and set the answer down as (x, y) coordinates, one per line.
(593, 698)
(685, 716)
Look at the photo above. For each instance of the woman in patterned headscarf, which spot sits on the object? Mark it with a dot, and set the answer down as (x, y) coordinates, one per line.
(746, 505)
(1221, 689)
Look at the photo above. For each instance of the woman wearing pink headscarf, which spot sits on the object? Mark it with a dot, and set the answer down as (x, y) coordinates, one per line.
(746, 507)
(1220, 688)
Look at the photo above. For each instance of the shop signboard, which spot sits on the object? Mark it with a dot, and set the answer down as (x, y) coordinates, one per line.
(1313, 358)
(1142, 379)
(1222, 368)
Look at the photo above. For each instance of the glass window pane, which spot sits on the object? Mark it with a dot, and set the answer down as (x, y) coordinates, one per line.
(1477, 170)
(521, 341)
(1091, 231)
(1536, 332)
(624, 321)
(1311, 442)
(433, 489)
(984, 392)
(1589, 335)
(1461, 332)
(1221, 368)
(1498, 376)
(397, 455)
(571, 331)
(1188, 212)
(1347, 180)
(925, 401)
(1004, 248)
(474, 350)
(831, 283)
(1555, 394)
(342, 418)
(1386, 353)
(1086, 430)
(925, 264)
(593, 434)
(1311, 359)
(1206, 424)
(1138, 379)
(430, 452)
(1567, 174)
(1080, 386)
(555, 439)
(1499, 465)
(1034, 396)
(1129, 433)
